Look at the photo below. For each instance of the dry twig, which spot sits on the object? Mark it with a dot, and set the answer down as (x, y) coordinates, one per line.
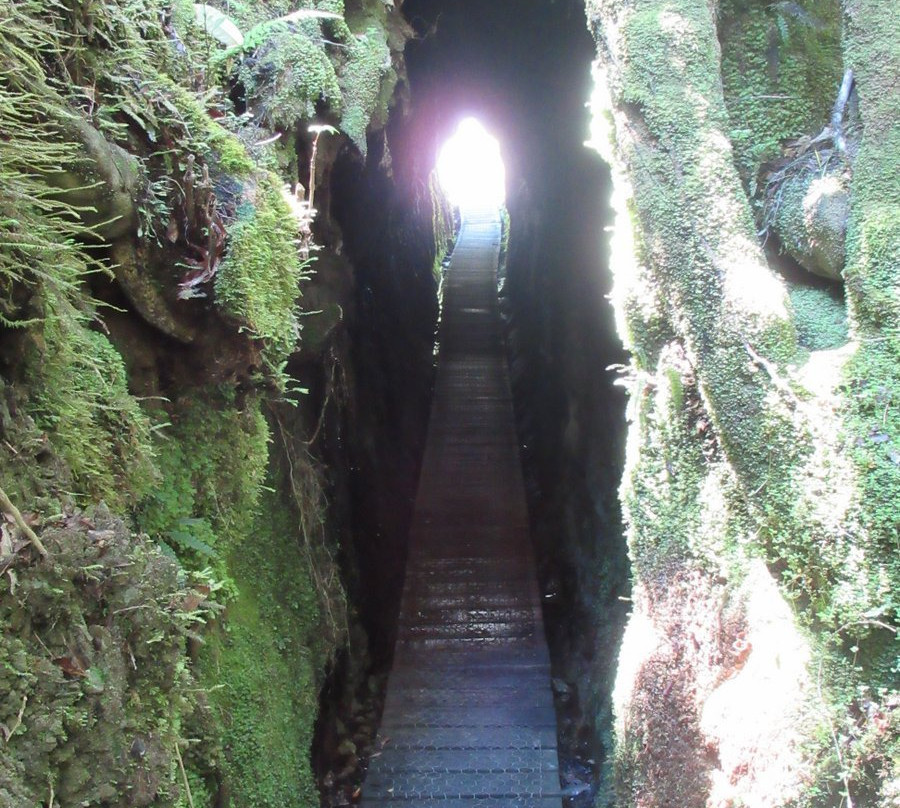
(8, 731)
(187, 787)
(7, 506)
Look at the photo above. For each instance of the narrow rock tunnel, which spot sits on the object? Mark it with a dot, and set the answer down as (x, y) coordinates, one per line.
(237, 312)
(524, 72)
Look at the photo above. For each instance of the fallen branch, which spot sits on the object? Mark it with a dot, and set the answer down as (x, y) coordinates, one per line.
(7, 507)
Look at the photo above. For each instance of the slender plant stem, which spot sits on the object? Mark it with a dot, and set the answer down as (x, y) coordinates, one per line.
(187, 787)
(7, 506)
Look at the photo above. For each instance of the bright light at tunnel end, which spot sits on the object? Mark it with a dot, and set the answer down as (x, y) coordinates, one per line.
(470, 168)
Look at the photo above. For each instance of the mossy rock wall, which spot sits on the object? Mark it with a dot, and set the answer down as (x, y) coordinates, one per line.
(159, 405)
(745, 445)
(94, 668)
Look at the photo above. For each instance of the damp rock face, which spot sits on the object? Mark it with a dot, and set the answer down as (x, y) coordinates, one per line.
(158, 359)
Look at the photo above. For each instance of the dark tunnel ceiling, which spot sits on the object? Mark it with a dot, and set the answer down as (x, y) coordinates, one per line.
(520, 66)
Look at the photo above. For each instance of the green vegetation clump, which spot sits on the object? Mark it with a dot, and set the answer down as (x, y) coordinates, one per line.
(781, 69)
(258, 282)
(82, 401)
(361, 79)
(212, 461)
(263, 665)
(81, 395)
(200, 134)
(286, 75)
(93, 671)
(39, 230)
(292, 71)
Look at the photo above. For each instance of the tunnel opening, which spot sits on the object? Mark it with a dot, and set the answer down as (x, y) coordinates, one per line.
(503, 67)
(470, 168)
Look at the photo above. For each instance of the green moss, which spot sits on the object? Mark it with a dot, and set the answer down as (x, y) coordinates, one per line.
(873, 266)
(265, 668)
(821, 317)
(696, 252)
(781, 69)
(81, 396)
(83, 403)
(40, 232)
(360, 77)
(288, 75)
(201, 134)
(873, 430)
(692, 281)
(661, 491)
(212, 460)
(871, 276)
(728, 459)
(259, 281)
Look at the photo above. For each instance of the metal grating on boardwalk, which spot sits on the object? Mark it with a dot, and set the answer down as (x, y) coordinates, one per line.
(469, 719)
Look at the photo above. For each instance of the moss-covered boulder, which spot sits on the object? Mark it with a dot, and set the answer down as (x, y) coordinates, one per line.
(811, 210)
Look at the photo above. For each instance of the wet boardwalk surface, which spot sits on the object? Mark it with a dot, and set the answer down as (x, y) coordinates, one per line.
(469, 718)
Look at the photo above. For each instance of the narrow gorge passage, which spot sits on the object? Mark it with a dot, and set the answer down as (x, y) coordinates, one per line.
(469, 716)
(223, 233)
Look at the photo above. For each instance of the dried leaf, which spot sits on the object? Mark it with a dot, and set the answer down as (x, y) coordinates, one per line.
(193, 601)
(71, 666)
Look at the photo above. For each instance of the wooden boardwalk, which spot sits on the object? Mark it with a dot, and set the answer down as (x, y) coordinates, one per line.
(469, 718)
